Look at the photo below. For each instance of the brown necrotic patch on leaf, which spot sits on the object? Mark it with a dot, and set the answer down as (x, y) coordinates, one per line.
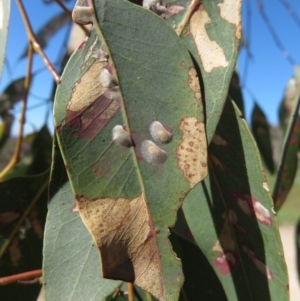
(88, 122)
(124, 234)
(88, 88)
(210, 53)
(92, 104)
(230, 11)
(192, 150)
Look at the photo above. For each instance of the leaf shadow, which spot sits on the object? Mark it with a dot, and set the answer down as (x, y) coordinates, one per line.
(236, 211)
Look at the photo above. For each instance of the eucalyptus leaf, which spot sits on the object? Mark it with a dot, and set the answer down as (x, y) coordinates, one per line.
(130, 126)
(211, 30)
(71, 268)
(231, 216)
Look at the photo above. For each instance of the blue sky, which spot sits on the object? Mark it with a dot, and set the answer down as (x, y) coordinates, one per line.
(268, 69)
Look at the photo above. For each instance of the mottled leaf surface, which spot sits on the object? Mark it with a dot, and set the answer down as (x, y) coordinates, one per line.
(261, 134)
(128, 190)
(211, 32)
(71, 261)
(230, 216)
(4, 21)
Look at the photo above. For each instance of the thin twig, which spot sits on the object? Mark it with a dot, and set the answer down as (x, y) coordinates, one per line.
(21, 277)
(274, 35)
(69, 13)
(290, 9)
(286, 144)
(36, 46)
(65, 9)
(130, 291)
(16, 156)
(21, 220)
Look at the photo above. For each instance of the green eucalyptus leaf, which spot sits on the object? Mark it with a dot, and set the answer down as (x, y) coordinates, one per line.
(211, 31)
(130, 126)
(261, 133)
(289, 168)
(70, 267)
(235, 92)
(231, 217)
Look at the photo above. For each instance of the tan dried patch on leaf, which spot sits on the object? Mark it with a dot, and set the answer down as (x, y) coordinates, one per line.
(88, 88)
(194, 83)
(90, 51)
(218, 140)
(192, 150)
(124, 234)
(210, 53)
(225, 240)
(230, 10)
(265, 186)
